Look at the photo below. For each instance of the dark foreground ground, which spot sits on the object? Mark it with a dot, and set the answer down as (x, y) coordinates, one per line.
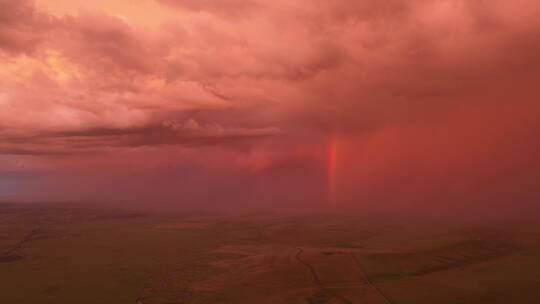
(66, 255)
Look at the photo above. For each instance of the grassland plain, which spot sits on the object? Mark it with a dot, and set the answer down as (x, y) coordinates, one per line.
(58, 254)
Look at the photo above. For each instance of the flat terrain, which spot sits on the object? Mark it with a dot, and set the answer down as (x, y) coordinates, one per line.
(58, 255)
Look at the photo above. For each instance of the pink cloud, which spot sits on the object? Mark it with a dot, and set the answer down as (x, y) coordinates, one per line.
(254, 82)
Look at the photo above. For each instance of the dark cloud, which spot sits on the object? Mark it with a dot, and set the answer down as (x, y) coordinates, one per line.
(170, 132)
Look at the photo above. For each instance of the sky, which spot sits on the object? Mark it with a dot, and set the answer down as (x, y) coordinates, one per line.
(406, 106)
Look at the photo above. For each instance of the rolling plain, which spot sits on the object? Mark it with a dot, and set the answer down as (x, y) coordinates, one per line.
(57, 254)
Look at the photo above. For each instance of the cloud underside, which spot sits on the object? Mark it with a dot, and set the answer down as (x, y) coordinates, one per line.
(171, 133)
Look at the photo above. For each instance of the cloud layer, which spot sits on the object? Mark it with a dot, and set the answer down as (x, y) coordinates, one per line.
(426, 93)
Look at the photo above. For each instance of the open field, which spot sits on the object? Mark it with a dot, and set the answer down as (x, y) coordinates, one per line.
(67, 255)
